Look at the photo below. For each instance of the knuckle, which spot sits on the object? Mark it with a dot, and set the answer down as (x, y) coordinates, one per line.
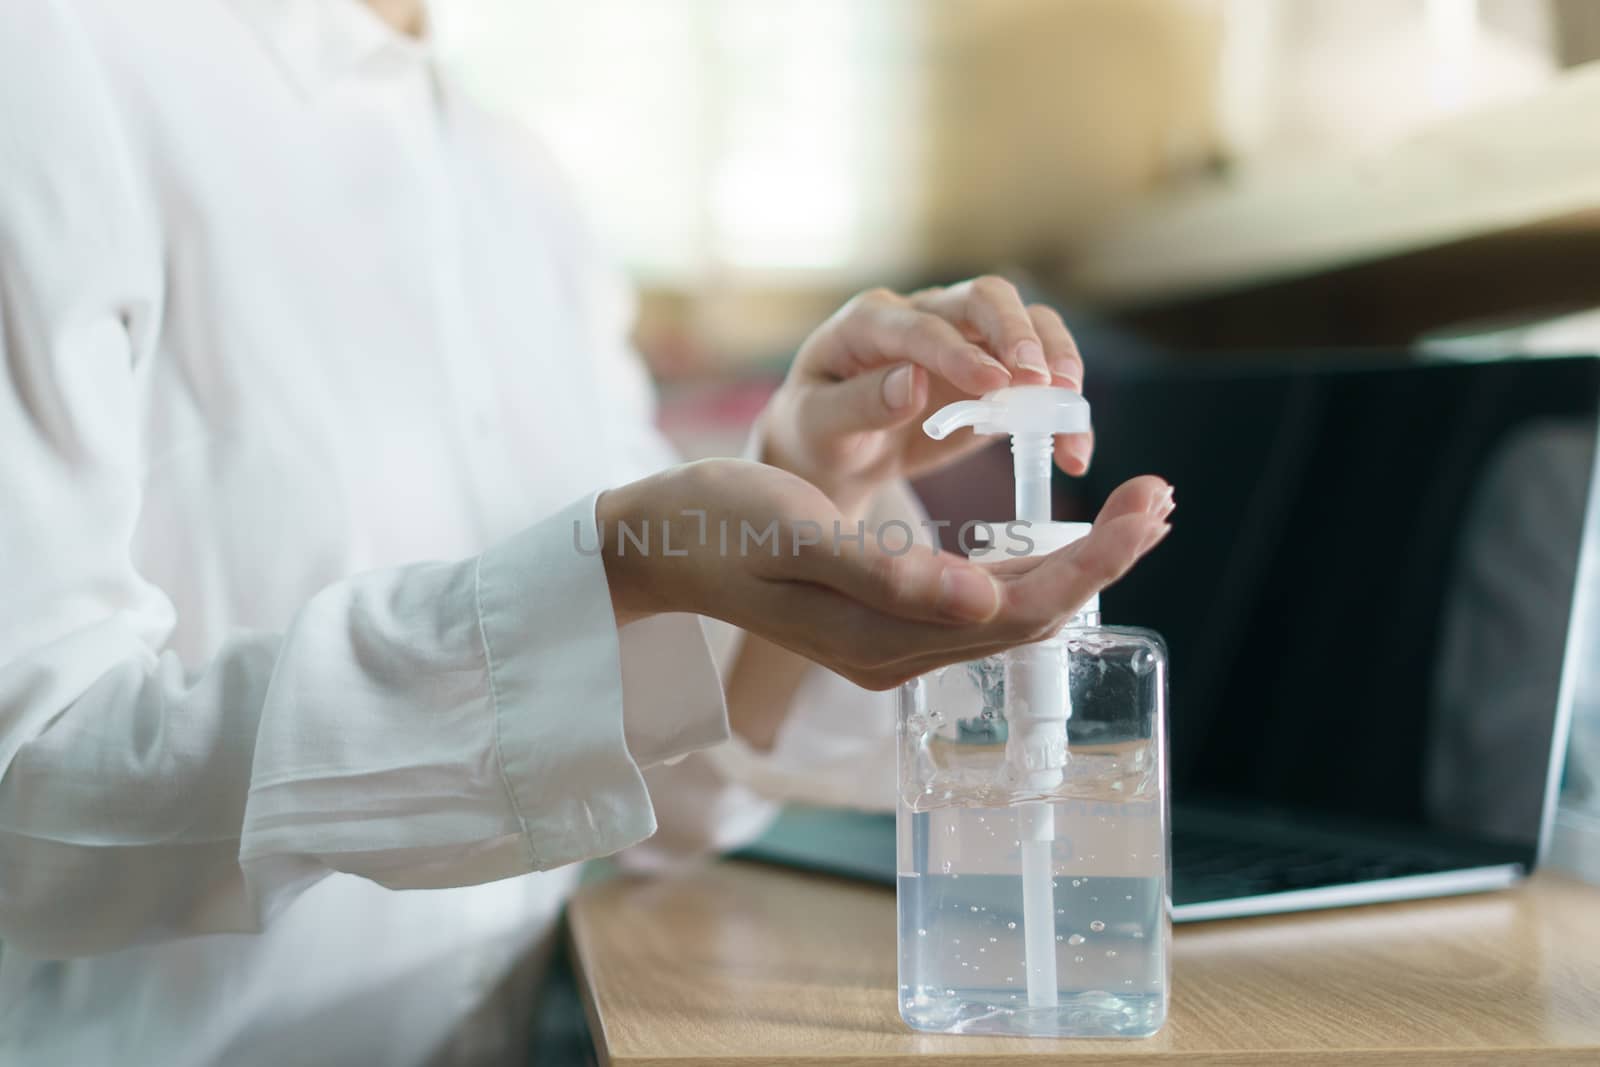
(889, 579)
(993, 288)
(872, 299)
(926, 334)
(880, 569)
(1046, 315)
(1019, 325)
(701, 479)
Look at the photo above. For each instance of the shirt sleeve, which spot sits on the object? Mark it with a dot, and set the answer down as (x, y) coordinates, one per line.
(672, 689)
(837, 743)
(423, 726)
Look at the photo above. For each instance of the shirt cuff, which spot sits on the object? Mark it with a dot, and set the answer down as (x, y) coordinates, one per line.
(560, 727)
(672, 699)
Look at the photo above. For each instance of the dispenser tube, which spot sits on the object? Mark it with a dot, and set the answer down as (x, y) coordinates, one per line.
(1032, 456)
(1036, 749)
(1038, 902)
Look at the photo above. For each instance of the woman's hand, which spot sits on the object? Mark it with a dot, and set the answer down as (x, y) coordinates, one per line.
(757, 547)
(848, 416)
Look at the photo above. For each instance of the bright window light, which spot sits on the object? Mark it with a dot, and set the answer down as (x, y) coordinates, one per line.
(709, 136)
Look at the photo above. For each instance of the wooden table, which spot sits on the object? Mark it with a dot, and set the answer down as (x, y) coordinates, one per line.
(740, 963)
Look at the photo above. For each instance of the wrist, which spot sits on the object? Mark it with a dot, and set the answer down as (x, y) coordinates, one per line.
(629, 579)
(760, 690)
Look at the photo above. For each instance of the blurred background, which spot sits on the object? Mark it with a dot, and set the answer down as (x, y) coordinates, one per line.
(1182, 178)
(1198, 174)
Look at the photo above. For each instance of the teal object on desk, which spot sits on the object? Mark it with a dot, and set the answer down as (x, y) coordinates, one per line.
(842, 841)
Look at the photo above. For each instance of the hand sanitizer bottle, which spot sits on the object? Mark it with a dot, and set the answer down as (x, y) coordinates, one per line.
(1032, 821)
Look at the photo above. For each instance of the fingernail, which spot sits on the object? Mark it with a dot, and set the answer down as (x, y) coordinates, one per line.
(1163, 504)
(1065, 376)
(1031, 356)
(897, 387)
(1081, 448)
(995, 364)
(967, 593)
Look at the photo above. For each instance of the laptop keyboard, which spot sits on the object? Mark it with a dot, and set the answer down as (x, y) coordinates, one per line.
(1207, 866)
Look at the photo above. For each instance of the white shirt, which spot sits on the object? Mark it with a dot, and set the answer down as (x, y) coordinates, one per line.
(309, 383)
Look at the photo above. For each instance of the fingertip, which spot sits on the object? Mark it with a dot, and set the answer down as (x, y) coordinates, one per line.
(1163, 503)
(1139, 534)
(1157, 533)
(1136, 496)
(1028, 356)
(982, 373)
(1061, 351)
(1073, 452)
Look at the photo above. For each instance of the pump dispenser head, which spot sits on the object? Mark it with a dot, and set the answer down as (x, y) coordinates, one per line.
(1032, 415)
(1018, 409)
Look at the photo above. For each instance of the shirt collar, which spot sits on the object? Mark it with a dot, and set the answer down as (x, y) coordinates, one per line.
(321, 41)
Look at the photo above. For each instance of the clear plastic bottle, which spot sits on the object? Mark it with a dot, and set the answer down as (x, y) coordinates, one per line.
(1000, 823)
(1032, 827)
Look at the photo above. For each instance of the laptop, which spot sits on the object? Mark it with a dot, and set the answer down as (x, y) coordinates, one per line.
(1372, 604)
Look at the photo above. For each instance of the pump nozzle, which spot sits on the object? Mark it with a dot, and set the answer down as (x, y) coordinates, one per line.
(1018, 409)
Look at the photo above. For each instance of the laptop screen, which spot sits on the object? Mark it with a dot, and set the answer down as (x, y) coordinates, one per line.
(1367, 590)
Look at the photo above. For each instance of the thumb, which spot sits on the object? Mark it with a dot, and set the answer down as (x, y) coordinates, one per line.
(875, 400)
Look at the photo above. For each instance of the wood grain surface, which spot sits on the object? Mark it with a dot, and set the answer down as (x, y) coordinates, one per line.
(737, 963)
